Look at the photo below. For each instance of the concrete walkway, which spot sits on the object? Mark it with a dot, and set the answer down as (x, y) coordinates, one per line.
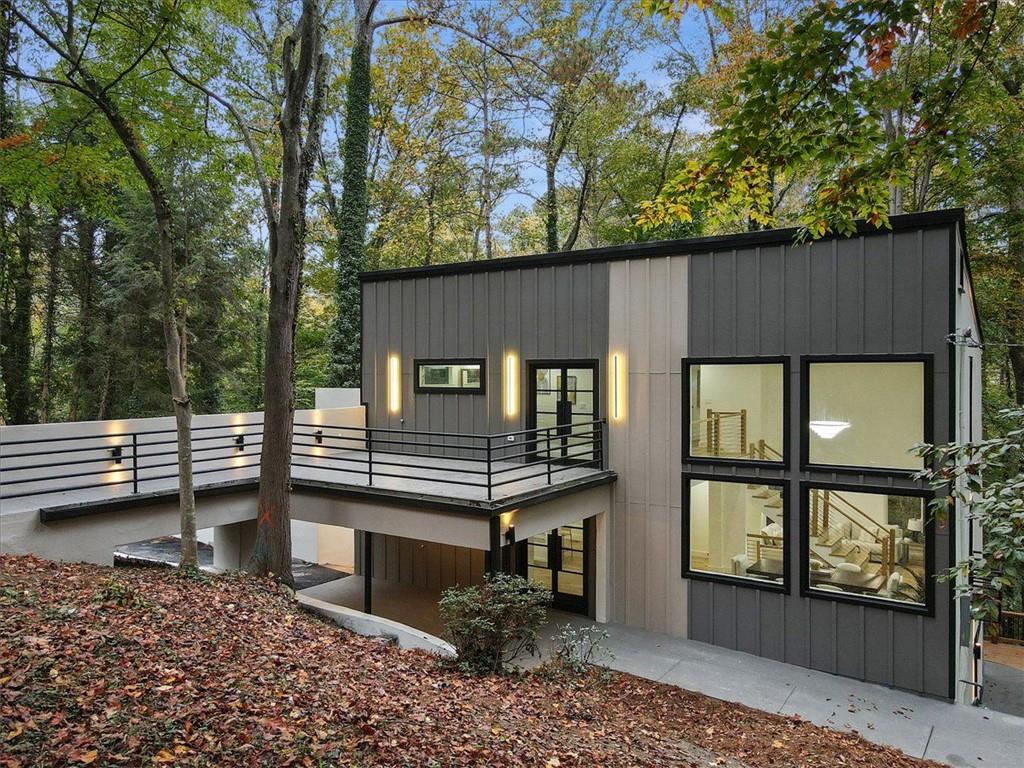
(955, 734)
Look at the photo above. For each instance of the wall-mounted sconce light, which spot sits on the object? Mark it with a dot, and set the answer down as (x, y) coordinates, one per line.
(511, 385)
(510, 535)
(394, 384)
(319, 437)
(618, 387)
(240, 443)
(116, 454)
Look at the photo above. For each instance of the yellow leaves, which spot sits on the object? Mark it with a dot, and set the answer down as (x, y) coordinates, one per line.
(164, 756)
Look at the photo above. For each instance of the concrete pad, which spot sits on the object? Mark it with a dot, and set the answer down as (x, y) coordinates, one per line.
(973, 736)
(876, 713)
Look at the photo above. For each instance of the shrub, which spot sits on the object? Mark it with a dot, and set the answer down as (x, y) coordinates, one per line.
(574, 648)
(494, 623)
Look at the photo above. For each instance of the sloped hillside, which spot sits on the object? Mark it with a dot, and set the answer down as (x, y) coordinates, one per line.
(103, 666)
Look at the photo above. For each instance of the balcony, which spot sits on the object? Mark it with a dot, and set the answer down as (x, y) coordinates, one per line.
(69, 470)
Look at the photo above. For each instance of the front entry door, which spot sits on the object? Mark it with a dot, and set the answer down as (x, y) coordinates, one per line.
(563, 398)
(557, 559)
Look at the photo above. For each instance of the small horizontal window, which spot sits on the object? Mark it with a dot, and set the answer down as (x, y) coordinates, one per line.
(464, 376)
(865, 414)
(737, 411)
(735, 530)
(868, 545)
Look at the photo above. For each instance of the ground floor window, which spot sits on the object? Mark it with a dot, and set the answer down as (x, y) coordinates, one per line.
(734, 530)
(867, 544)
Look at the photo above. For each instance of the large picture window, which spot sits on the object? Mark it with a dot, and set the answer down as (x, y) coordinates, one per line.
(737, 410)
(867, 545)
(865, 413)
(465, 376)
(734, 531)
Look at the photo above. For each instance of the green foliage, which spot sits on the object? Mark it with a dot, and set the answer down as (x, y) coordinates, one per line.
(494, 623)
(987, 479)
(837, 98)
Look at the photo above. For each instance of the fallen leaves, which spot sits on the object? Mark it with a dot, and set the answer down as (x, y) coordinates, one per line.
(230, 672)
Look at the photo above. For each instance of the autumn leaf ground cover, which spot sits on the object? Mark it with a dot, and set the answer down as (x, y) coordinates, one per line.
(103, 666)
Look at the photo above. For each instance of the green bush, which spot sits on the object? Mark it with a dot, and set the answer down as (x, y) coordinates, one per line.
(494, 623)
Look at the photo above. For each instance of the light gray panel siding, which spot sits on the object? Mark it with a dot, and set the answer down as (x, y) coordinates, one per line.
(646, 321)
(872, 294)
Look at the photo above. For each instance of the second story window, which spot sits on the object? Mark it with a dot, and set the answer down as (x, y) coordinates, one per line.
(865, 412)
(737, 410)
(459, 376)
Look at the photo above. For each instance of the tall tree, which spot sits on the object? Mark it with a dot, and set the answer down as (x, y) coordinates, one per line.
(298, 106)
(96, 68)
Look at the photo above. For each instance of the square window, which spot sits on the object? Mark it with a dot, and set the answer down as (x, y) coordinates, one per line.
(734, 531)
(865, 414)
(737, 410)
(458, 376)
(866, 545)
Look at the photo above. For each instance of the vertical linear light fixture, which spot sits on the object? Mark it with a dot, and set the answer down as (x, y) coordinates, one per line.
(511, 385)
(618, 387)
(394, 385)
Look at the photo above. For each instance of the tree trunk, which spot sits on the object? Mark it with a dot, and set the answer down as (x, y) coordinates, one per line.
(551, 203)
(351, 224)
(85, 352)
(581, 204)
(49, 321)
(175, 351)
(17, 360)
(272, 553)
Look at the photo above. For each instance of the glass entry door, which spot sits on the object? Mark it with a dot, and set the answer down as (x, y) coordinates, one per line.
(563, 398)
(557, 560)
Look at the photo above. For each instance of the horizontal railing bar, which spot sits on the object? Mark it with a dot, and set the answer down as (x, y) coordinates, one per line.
(554, 470)
(333, 458)
(138, 433)
(109, 446)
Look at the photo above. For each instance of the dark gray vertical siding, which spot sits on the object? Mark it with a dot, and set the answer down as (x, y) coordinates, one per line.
(879, 293)
(544, 312)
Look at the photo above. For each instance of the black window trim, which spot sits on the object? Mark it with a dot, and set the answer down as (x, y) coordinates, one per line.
(688, 362)
(928, 609)
(805, 402)
(427, 389)
(721, 578)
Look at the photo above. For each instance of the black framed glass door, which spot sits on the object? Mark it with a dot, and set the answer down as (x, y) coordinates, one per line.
(557, 559)
(564, 400)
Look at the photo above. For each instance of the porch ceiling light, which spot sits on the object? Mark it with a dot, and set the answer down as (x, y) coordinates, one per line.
(828, 429)
(394, 384)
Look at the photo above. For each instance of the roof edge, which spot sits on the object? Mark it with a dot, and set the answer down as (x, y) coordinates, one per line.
(686, 246)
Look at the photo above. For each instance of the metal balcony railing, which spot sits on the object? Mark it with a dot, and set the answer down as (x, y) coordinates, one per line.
(140, 459)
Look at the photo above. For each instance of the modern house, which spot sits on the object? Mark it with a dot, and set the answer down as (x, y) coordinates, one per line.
(709, 438)
(739, 413)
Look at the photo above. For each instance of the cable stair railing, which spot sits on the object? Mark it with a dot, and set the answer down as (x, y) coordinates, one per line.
(843, 545)
(726, 434)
